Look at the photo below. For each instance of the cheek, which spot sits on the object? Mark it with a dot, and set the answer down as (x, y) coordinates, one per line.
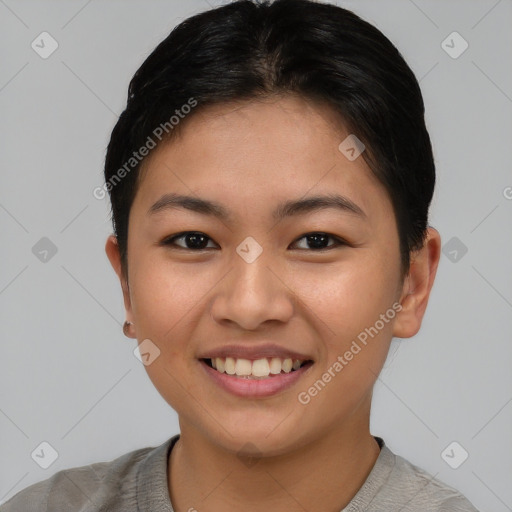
(350, 295)
(352, 306)
(355, 342)
(164, 299)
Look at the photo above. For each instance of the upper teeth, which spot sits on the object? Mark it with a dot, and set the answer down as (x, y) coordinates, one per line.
(258, 368)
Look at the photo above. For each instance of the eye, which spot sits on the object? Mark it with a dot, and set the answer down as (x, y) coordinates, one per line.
(318, 241)
(193, 240)
(197, 241)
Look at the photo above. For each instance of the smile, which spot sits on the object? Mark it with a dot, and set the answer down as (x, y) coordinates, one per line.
(263, 368)
(254, 378)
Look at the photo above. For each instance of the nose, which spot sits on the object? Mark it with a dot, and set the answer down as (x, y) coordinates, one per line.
(252, 294)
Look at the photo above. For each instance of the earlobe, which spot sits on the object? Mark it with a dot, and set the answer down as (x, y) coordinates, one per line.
(114, 256)
(417, 286)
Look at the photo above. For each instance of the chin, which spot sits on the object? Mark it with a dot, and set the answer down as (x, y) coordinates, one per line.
(259, 439)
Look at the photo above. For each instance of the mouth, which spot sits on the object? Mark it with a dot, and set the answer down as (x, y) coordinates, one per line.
(255, 378)
(263, 368)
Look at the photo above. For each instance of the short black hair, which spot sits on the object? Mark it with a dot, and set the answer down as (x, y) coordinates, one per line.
(251, 49)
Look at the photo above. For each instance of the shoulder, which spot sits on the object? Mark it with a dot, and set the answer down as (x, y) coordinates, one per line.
(84, 488)
(416, 489)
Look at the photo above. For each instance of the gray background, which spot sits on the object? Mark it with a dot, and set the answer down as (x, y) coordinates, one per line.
(68, 375)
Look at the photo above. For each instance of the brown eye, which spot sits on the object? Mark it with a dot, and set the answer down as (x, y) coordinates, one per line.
(318, 241)
(192, 240)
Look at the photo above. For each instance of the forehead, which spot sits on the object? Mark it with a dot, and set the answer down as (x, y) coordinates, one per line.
(258, 152)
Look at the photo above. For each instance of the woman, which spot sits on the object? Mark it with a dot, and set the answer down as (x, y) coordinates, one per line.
(270, 182)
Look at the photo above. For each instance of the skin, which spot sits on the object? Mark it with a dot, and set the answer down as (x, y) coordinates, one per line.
(249, 157)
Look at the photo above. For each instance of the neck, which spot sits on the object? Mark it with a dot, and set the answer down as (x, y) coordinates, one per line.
(323, 474)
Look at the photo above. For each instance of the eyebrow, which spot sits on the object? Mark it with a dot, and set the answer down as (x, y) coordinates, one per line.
(285, 209)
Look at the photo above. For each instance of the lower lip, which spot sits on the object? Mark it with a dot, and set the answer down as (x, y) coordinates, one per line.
(256, 388)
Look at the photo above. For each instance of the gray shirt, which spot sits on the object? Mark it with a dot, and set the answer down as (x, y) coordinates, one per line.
(137, 482)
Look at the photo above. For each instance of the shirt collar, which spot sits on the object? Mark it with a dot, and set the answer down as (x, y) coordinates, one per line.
(153, 489)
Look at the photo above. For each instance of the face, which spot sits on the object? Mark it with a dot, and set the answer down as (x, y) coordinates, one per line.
(266, 281)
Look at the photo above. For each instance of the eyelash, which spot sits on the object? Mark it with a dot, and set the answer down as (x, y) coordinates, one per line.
(170, 241)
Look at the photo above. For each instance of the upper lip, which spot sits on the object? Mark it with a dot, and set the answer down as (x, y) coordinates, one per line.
(254, 352)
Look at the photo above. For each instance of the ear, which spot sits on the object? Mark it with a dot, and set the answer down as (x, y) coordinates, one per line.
(417, 286)
(114, 255)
